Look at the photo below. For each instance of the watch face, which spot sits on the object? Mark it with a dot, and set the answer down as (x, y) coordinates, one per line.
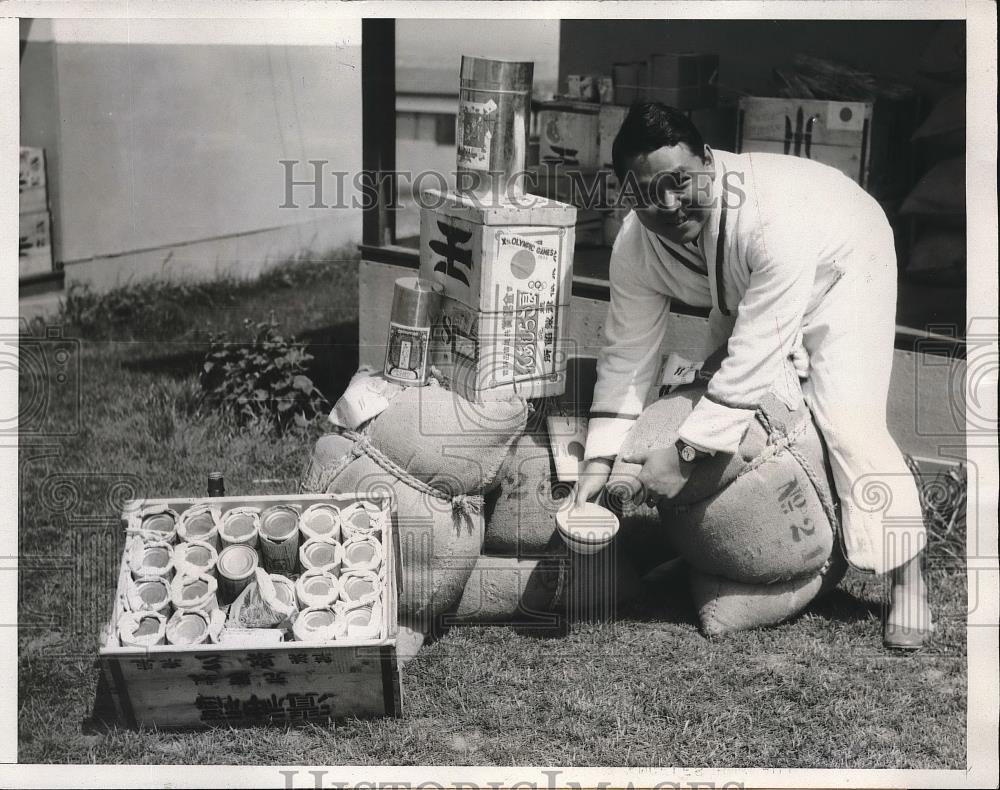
(688, 453)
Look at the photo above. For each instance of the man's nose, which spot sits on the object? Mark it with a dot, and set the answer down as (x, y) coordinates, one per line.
(669, 201)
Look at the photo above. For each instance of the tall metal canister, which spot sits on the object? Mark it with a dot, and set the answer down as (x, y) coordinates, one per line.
(494, 106)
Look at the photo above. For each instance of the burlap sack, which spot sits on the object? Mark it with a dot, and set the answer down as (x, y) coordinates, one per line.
(725, 606)
(761, 515)
(447, 442)
(520, 515)
(440, 536)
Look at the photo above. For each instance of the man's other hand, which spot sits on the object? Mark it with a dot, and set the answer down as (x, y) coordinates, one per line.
(592, 479)
(662, 475)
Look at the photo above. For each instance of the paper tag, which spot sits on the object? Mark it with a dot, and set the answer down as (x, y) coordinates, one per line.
(678, 370)
(568, 440)
(845, 116)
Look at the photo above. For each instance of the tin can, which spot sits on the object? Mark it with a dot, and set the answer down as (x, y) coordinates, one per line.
(195, 557)
(235, 569)
(416, 304)
(149, 595)
(191, 593)
(318, 624)
(142, 629)
(200, 522)
(363, 622)
(317, 588)
(360, 587)
(494, 104)
(150, 559)
(325, 555)
(320, 521)
(240, 526)
(363, 552)
(279, 539)
(160, 526)
(188, 627)
(361, 518)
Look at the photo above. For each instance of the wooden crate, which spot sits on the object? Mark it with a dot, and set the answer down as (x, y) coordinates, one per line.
(867, 141)
(610, 119)
(507, 273)
(568, 134)
(183, 687)
(685, 80)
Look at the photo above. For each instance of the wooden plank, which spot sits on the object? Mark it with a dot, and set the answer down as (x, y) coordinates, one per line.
(378, 124)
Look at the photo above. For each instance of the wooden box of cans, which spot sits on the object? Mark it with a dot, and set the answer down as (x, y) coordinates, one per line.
(506, 270)
(234, 611)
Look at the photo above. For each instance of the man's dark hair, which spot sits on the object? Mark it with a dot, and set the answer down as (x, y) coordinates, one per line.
(649, 126)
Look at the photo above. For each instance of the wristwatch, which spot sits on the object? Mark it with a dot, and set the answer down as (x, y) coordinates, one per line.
(689, 454)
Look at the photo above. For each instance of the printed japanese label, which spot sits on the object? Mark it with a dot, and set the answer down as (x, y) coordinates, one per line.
(477, 125)
(528, 261)
(406, 353)
(845, 116)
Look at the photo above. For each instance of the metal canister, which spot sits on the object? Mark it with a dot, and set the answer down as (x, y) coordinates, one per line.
(150, 559)
(192, 593)
(318, 624)
(195, 557)
(240, 526)
(200, 522)
(360, 587)
(494, 105)
(361, 518)
(325, 555)
(320, 521)
(188, 627)
(279, 539)
(317, 588)
(149, 595)
(160, 526)
(235, 569)
(364, 552)
(142, 629)
(363, 622)
(415, 306)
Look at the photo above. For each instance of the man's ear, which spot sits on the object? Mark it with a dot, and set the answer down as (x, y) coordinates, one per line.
(707, 157)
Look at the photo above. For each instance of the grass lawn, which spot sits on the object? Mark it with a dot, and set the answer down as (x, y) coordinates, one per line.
(819, 692)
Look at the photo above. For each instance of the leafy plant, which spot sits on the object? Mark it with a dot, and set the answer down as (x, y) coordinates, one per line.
(263, 380)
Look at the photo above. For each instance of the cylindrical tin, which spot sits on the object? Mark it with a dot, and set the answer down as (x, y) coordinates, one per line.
(279, 539)
(415, 306)
(318, 624)
(194, 593)
(494, 106)
(284, 588)
(320, 521)
(360, 587)
(364, 553)
(200, 522)
(317, 588)
(363, 622)
(361, 518)
(142, 629)
(149, 595)
(150, 559)
(235, 569)
(195, 557)
(325, 555)
(159, 526)
(240, 526)
(188, 627)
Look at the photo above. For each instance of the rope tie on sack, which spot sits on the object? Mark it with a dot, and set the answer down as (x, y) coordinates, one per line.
(466, 505)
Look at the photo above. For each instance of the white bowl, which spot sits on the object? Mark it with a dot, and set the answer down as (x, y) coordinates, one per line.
(588, 528)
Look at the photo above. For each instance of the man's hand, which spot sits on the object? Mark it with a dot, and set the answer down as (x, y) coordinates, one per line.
(592, 478)
(662, 475)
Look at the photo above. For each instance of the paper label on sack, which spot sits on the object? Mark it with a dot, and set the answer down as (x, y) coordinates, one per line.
(677, 370)
(475, 134)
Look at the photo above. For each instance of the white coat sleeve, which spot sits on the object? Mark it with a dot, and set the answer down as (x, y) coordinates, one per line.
(633, 332)
(767, 329)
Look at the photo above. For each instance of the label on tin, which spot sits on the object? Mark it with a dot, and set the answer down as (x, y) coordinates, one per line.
(477, 122)
(406, 353)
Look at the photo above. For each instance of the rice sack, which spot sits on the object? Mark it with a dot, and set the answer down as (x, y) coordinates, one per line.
(763, 514)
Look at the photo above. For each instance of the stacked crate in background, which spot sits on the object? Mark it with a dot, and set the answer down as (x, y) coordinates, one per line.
(576, 132)
(34, 243)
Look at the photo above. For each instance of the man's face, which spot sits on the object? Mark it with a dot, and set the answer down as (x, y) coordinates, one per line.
(675, 188)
